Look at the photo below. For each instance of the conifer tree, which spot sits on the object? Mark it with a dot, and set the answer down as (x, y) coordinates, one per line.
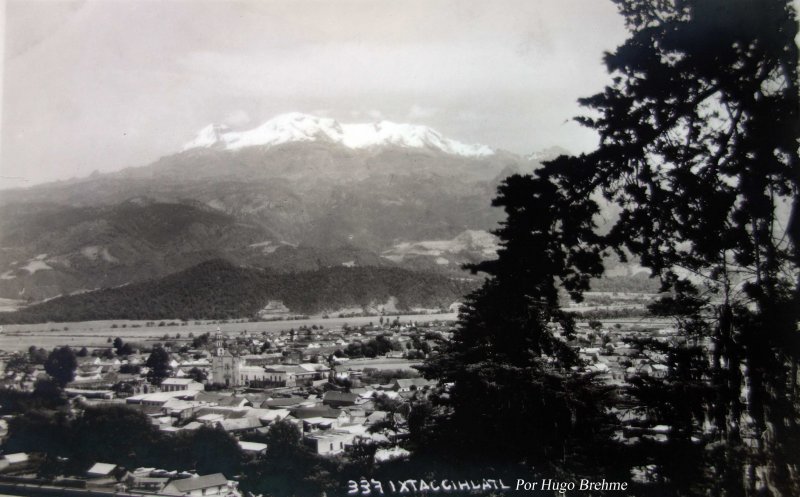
(698, 156)
(698, 150)
(512, 391)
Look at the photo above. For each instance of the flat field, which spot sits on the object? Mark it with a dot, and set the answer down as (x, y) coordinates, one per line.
(96, 333)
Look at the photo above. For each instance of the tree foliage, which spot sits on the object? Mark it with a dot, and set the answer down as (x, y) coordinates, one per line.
(288, 468)
(697, 176)
(214, 450)
(158, 365)
(115, 434)
(61, 365)
(218, 289)
(197, 375)
(20, 365)
(510, 393)
(698, 155)
(120, 435)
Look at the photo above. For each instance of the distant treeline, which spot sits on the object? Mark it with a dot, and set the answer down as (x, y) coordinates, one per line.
(626, 312)
(218, 289)
(639, 283)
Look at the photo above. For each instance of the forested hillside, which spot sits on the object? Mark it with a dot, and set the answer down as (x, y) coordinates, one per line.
(218, 289)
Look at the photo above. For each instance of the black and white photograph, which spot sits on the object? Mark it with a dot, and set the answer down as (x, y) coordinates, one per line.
(323, 248)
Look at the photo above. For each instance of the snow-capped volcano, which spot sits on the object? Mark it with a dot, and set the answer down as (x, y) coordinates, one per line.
(297, 127)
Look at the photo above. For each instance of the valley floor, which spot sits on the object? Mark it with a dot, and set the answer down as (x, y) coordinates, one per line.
(96, 333)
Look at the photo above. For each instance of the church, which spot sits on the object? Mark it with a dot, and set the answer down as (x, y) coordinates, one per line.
(225, 366)
(230, 369)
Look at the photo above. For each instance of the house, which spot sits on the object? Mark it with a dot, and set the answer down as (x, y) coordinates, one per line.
(318, 423)
(251, 374)
(146, 483)
(212, 398)
(264, 359)
(101, 475)
(16, 459)
(273, 415)
(319, 411)
(101, 470)
(181, 408)
(290, 376)
(234, 401)
(283, 402)
(214, 484)
(210, 419)
(89, 394)
(329, 442)
(339, 399)
(160, 398)
(239, 426)
(660, 370)
(252, 447)
(180, 384)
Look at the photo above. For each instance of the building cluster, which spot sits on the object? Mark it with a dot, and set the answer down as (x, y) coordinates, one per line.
(616, 354)
(313, 378)
(246, 383)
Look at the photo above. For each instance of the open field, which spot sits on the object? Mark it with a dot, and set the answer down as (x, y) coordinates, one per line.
(96, 333)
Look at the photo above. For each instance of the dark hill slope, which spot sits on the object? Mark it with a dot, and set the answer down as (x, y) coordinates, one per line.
(218, 289)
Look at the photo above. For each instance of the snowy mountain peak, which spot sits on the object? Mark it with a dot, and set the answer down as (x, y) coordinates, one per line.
(547, 154)
(298, 127)
(207, 136)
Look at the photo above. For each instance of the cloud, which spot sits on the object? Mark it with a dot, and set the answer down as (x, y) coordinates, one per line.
(115, 84)
(237, 119)
(420, 112)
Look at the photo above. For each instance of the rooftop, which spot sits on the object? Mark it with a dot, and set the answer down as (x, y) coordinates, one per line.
(199, 482)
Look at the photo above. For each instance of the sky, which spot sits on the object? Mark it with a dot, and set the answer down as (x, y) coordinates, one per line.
(107, 84)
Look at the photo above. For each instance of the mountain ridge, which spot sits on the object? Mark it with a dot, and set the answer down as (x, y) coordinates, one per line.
(284, 204)
(298, 127)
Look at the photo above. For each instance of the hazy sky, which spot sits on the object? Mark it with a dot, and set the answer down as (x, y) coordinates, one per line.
(103, 85)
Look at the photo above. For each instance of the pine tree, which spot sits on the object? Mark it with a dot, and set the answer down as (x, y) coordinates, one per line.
(698, 150)
(510, 393)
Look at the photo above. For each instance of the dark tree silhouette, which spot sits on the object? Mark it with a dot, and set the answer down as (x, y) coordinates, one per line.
(116, 434)
(288, 468)
(48, 394)
(197, 375)
(214, 450)
(61, 365)
(37, 355)
(508, 393)
(698, 150)
(158, 365)
(284, 437)
(699, 131)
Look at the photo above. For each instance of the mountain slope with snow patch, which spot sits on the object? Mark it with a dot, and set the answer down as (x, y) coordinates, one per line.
(297, 127)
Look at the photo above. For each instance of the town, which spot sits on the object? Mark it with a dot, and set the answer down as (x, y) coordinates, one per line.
(338, 390)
